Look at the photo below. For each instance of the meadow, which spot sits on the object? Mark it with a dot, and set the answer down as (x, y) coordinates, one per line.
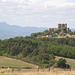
(9, 62)
(40, 73)
(71, 62)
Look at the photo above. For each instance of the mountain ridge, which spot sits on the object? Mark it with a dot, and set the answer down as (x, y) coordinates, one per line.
(10, 31)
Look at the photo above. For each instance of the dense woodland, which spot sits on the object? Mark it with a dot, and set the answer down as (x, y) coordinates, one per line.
(38, 51)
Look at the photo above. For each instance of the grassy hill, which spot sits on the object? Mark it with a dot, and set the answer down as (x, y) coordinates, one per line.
(9, 62)
(71, 62)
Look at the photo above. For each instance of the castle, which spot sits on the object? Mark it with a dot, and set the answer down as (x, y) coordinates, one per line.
(60, 32)
(60, 26)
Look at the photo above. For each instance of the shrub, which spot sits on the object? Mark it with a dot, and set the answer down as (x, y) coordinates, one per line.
(61, 63)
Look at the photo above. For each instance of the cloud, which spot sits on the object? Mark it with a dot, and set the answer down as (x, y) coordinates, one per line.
(38, 11)
(16, 1)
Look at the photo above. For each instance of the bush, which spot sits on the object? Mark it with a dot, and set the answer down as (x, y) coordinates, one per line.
(61, 63)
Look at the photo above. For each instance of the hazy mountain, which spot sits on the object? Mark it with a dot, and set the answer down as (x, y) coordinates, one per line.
(73, 29)
(8, 31)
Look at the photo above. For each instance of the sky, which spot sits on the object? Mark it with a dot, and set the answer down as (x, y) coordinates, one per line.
(38, 13)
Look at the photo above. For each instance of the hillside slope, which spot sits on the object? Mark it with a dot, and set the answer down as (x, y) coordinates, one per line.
(73, 29)
(9, 62)
(71, 62)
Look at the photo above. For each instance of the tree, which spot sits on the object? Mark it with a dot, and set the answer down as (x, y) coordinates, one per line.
(61, 63)
(14, 50)
(27, 50)
(46, 60)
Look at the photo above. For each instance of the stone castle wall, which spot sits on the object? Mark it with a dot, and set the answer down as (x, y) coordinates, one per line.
(53, 29)
(62, 26)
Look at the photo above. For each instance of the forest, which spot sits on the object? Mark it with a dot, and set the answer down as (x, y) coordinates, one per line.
(40, 51)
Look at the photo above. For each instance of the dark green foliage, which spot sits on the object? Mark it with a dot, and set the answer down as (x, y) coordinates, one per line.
(61, 63)
(27, 50)
(14, 50)
(46, 32)
(44, 57)
(57, 31)
(46, 60)
(38, 51)
(72, 33)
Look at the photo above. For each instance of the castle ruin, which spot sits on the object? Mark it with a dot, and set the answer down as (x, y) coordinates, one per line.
(60, 26)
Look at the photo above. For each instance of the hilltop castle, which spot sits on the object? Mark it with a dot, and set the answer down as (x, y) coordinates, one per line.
(62, 31)
(60, 26)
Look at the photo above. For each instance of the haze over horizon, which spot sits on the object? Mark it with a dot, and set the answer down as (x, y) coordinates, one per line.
(38, 13)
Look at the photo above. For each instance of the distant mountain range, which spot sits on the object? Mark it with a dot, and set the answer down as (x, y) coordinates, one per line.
(73, 29)
(10, 31)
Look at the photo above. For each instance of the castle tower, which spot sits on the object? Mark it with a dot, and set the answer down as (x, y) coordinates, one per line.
(62, 26)
(59, 26)
(65, 25)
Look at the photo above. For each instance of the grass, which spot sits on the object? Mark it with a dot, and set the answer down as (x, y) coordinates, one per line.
(9, 62)
(34, 72)
(41, 73)
(71, 62)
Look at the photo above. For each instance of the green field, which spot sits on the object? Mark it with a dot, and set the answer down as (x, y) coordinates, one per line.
(9, 62)
(71, 62)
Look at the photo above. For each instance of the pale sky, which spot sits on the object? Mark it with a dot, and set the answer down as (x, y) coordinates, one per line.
(38, 13)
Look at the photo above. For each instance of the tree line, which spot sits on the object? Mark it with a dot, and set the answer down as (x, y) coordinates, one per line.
(40, 51)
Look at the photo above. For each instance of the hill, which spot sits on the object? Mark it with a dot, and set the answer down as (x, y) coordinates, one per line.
(73, 29)
(71, 62)
(9, 62)
(60, 32)
(37, 51)
(10, 31)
